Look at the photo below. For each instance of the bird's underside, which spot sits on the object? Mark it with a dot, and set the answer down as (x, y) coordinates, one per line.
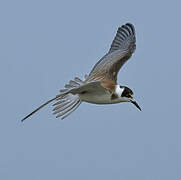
(99, 86)
(95, 93)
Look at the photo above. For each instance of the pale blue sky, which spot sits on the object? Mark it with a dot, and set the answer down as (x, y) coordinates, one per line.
(43, 45)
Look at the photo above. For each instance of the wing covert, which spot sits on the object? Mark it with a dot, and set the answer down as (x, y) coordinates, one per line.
(120, 51)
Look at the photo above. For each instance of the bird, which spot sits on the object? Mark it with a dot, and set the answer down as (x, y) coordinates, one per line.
(100, 85)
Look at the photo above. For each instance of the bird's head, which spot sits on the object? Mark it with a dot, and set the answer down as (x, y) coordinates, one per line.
(127, 96)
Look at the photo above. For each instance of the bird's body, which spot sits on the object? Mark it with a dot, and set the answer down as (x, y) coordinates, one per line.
(100, 86)
(99, 97)
(95, 97)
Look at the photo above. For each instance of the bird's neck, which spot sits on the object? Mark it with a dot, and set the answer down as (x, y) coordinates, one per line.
(118, 90)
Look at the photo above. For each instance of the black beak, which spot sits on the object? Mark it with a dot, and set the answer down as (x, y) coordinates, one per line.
(135, 103)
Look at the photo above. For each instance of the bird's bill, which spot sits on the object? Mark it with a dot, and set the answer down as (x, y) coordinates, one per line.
(136, 104)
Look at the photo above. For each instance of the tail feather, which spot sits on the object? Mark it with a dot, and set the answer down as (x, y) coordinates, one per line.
(63, 106)
(68, 109)
(38, 109)
(70, 103)
(74, 83)
(68, 86)
(63, 90)
(59, 102)
(66, 102)
(62, 97)
(78, 80)
(65, 109)
(72, 110)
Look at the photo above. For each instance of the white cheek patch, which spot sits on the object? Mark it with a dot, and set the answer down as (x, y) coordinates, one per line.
(119, 90)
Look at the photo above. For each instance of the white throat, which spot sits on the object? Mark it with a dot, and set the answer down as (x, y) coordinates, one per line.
(118, 90)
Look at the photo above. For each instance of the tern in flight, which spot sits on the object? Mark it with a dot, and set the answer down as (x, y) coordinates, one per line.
(100, 86)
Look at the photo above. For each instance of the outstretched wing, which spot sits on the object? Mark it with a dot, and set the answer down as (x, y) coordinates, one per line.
(125, 39)
(120, 51)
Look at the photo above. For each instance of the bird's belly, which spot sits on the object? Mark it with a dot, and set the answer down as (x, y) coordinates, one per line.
(95, 98)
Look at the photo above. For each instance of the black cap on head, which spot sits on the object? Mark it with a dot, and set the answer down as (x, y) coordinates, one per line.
(127, 92)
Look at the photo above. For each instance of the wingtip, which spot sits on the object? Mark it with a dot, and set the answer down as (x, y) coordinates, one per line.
(131, 26)
(26, 117)
(22, 120)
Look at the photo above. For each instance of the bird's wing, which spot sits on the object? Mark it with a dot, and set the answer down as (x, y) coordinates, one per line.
(125, 39)
(120, 51)
(88, 88)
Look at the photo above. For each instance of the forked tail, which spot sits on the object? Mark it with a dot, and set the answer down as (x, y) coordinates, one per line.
(66, 102)
(38, 109)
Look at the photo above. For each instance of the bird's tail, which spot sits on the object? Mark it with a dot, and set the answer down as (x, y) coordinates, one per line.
(38, 109)
(66, 102)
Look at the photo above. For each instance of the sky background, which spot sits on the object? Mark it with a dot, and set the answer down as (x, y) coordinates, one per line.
(44, 44)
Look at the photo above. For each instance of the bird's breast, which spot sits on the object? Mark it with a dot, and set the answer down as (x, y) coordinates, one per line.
(98, 98)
